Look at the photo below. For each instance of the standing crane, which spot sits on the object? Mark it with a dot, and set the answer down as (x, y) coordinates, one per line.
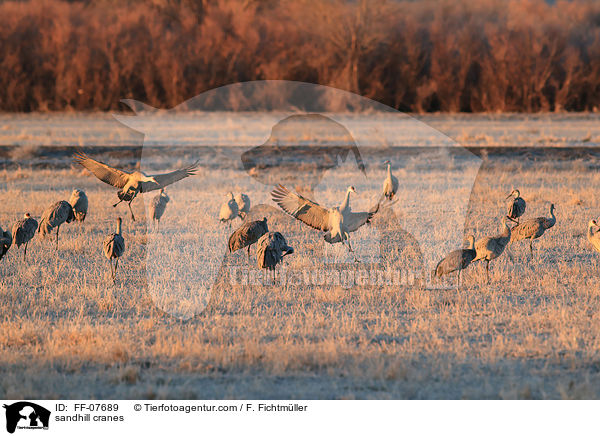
(390, 184)
(158, 206)
(130, 184)
(114, 247)
(23, 231)
(336, 222)
(456, 260)
(229, 209)
(5, 242)
(490, 248)
(270, 250)
(57, 214)
(243, 202)
(593, 234)
(517, 206)
(533, 228)
(248, 234)
(79, 203)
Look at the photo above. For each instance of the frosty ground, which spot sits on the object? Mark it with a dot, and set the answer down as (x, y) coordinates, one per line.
(68, 332)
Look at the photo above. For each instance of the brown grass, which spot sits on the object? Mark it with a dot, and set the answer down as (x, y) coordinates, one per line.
(67, 331)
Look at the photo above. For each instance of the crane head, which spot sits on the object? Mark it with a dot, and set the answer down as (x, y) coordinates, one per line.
(351, 189)
(513, 192)
(387, 162)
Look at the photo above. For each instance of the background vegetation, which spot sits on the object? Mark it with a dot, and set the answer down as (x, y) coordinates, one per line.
(420, 56)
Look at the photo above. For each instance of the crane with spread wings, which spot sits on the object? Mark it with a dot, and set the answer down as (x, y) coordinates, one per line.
(336, 222)
(130, 184)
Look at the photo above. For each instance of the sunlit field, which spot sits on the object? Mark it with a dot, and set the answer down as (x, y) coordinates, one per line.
(68, 331)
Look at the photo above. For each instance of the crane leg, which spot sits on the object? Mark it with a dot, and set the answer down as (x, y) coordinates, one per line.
(531, 247)
(25, 252)
(117, 203)
(351, 250)
(116, 263)
(129, 204)
(458, 280)
(57, 230)
(112, 275)
(249, 256)
(487, 270)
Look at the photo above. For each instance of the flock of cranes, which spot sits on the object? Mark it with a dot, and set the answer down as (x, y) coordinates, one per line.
(336, 222)
(492, 247)
(76, 209)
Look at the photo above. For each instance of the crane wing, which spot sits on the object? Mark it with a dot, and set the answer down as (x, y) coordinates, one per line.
(161, 180)
(301, 208)
(110, 175)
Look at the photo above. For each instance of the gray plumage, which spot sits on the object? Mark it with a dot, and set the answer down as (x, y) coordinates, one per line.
(248, 234)
(390, 184)
(23, 231)
(270, 250)
(79, 203)
(114, 247)
(456, 260)
(57, 214)
(517, 206)
(130, 184)
(336, 222)
(229, 209)
(243, 203)
(593, 235)
(490, 248)
(5, 242)
(158, 206)
(533, 228)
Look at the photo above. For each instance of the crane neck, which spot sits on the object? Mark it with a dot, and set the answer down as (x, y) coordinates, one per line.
(506, 229)
(118, 227)
(389, 169)
(471, 243)
(550, 222)
(346, 203)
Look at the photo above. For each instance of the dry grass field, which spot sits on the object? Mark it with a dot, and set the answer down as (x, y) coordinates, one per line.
(66, 331)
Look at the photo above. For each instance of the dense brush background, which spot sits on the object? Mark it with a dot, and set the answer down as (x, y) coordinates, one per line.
(420, 56)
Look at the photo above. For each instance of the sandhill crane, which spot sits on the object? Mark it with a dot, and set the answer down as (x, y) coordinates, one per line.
(158, 206)
(517, 206)
(270, 250)
(229, 209)
(23, 231)
(243, 202)
(490, 248)
(57, 214)
(130, 184)
(79, 203)
(533, 228)
(390, 184)
(5, 242)
(247, 235)
(456, 260)
(593, 234)
(336, 222)
(114, 247)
